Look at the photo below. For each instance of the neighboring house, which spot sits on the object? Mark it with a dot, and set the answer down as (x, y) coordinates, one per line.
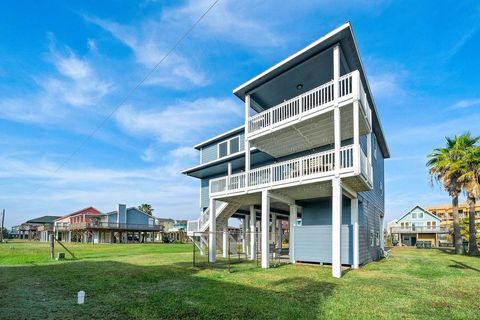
(171, 225)
(35, 229)
(65, 226)
(312, 153)
(122, 225)
(445, 212)
(418, 224)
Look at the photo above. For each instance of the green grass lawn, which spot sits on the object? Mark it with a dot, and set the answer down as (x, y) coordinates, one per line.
(156, 281)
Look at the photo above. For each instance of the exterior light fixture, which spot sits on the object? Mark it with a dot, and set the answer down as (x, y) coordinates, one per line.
(299, 86)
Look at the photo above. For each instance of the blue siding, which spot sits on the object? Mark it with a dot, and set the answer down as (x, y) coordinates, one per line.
(314, 244)
(135, 216)
(320, 212)
(210, 152)
(204, 193)
(371, 207)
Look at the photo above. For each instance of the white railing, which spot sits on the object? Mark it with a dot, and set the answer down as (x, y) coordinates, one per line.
(319, 164)
(288, 109)
(318, 98)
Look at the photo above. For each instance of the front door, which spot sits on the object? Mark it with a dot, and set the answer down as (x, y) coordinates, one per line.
(413, 241)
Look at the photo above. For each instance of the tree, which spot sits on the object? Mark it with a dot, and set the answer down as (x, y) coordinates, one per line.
(440, 168)
(146, 208)
(4, 233)
(469, 167)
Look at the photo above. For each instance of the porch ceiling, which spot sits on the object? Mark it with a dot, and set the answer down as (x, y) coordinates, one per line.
(301, 192)
(308, 134)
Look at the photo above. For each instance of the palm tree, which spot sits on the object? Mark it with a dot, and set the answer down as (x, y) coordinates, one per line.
(469, 165)
(440, 168)
(146, 208)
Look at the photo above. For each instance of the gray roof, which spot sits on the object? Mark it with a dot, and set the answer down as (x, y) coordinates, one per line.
(43, 219)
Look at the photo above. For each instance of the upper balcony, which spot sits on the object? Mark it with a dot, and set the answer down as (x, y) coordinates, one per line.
(306, 121)
(313, 168)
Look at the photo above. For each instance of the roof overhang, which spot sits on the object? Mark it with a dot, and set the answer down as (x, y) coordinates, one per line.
(342, 35)
(220, 137)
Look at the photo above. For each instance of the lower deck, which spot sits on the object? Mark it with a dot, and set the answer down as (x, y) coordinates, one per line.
(327, 223)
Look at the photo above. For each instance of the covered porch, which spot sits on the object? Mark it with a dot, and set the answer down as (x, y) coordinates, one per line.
(322, 222)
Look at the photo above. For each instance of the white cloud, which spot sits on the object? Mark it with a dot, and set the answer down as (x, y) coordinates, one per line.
(465, 103)
(162, 185)
(385, 85)
(181, 123)
(233, 21)
(149, 43)
(73, 84)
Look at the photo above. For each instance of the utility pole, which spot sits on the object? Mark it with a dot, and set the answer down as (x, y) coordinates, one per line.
(1, 229)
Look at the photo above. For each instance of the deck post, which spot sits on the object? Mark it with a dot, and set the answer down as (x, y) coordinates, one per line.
(225, 240)
(247, 142)
(253, 234)
(336, 227)
(291, 226)
(356, 138)
(273, 233)
(244, 234)
(336, 111)
(354, 222)
(265, 229)
(212, 227)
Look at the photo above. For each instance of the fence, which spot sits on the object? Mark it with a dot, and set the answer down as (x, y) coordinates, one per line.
(238, 249)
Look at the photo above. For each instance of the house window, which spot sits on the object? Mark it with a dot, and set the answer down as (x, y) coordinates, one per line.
(420, 215)
(374, 140)
(402, 225)
(414, 215)
(222, 149)
(234, 145)
(377, 238)
(434, 224)
(372, 239)
(228, 147)
(381, 188)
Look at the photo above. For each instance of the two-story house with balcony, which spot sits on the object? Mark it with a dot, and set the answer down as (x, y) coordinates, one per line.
(311, 151)
(418, 224)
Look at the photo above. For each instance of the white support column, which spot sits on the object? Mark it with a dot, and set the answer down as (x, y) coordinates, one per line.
(244, 241)
(212, 228)
(356, 137)
(225, 241)
(336, 227)
(336, 112)
(273, 232)
(247, 142)
(265, 229)
(354, 222)
(291, 226)
(253, 236)
(246, 236)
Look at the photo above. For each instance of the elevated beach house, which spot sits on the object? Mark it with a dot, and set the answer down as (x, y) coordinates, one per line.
(311, 151)
(121, 226)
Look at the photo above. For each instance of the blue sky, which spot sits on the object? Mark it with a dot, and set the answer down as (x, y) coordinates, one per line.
(64, 66)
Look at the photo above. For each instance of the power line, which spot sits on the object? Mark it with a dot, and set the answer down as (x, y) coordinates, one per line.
(130, 93)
